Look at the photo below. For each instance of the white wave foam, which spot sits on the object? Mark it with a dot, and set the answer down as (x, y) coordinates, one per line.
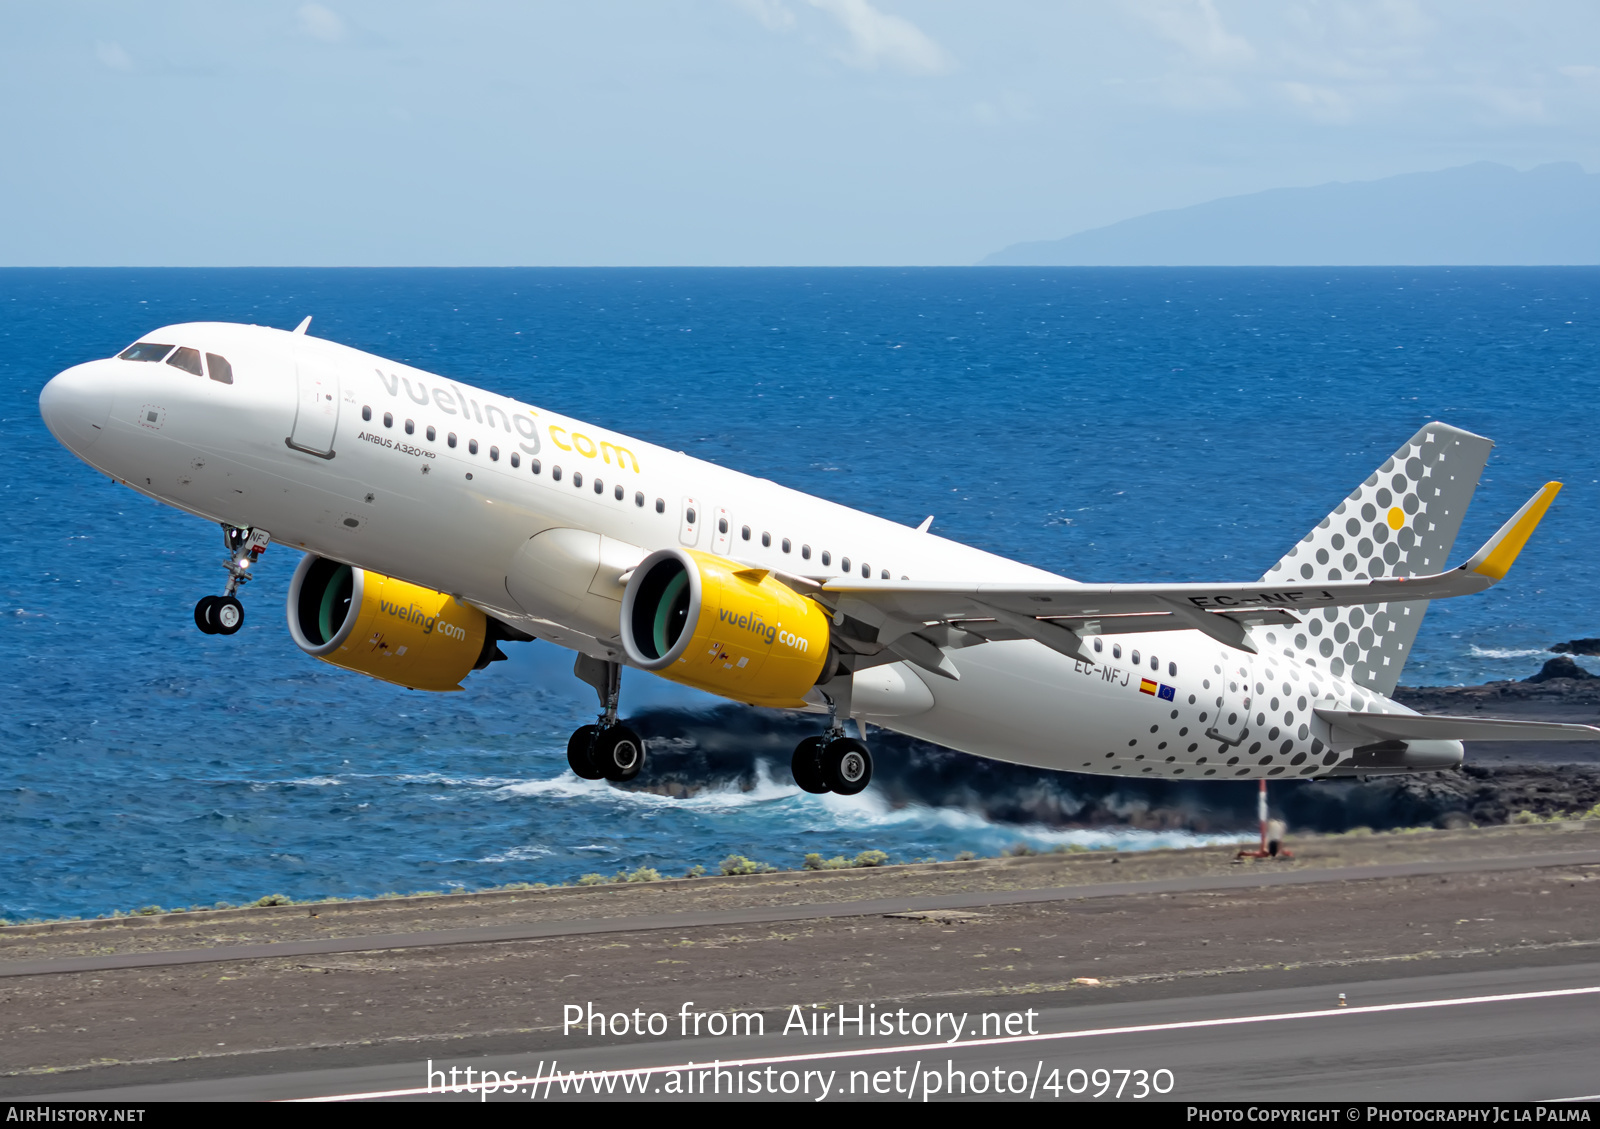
(867, 811)
(316, 781)
(520, 854)
(1506, 652)
(728, 797)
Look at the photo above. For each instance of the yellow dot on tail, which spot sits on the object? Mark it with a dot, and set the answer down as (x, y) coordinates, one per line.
(1397, 517)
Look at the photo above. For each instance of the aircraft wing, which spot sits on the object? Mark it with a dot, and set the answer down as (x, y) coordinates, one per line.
(1058, 614)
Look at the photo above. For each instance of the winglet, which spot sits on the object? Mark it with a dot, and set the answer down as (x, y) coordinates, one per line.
(300, 330)
(927, 521)
(1499, 553)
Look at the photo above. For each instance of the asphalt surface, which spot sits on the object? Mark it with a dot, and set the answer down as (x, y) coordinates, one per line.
(1505, 1035)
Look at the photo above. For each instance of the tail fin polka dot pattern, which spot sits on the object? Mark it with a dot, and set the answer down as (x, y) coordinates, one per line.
(1402, 521)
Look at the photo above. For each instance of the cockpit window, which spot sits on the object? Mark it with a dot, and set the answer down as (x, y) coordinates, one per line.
(187, 359)
(221, 371)
(145, 351)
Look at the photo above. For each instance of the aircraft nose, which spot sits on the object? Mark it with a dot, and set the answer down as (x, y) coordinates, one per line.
(76, 405)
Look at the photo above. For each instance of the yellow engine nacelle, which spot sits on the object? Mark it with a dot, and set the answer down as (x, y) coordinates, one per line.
(717, 626)
(399, 632)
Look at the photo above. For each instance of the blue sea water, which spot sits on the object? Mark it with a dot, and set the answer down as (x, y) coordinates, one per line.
(1109, 424)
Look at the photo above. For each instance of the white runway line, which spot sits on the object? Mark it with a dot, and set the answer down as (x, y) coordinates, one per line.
(1004, 1040)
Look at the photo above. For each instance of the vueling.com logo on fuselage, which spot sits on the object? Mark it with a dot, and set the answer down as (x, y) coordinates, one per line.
(756, 625)
(413, 614)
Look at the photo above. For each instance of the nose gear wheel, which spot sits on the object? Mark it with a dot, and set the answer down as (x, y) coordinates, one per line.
(224, 614)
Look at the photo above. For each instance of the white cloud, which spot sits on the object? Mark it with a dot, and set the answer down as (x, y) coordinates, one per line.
(321, 23)
(773, 14)
(112, 55)
(1320, 102)
(879, 38)
(1196, 26)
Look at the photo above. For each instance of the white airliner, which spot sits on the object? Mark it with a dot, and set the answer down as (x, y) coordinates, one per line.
(439, 520)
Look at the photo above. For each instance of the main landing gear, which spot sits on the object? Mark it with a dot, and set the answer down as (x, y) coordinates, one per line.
(609, 749)
(832, 763)
(224, 614)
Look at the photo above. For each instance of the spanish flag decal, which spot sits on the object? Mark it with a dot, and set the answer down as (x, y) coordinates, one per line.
(1146, 686)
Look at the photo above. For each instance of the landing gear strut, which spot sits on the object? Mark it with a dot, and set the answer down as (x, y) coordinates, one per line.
(608, 749)
(832, 762)
(224, 614)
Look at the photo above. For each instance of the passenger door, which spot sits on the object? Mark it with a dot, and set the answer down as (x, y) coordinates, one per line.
(317, 413)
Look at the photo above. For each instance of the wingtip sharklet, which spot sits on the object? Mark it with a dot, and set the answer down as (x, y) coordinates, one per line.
(1500, 552)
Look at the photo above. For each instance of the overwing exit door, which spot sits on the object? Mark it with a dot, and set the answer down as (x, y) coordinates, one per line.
(1231, 723)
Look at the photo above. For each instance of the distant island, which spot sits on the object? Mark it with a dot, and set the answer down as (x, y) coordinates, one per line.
(1477, 215)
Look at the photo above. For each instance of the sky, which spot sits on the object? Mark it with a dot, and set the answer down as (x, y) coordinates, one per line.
(735, 132)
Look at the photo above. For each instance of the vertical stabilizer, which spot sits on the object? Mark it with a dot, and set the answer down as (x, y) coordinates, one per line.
(1402, 521)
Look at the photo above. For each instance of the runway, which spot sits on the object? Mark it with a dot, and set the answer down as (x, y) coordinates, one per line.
(1512, 1035)
(1470, 963)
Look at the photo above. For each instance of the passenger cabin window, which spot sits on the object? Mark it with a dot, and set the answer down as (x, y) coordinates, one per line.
(599, 486)
(187, 359)
(866, 571)
(472, 446)
(661, 505)
(638, 498)
(1135, 658)
(388, 419)
(844, 563)
(432, 433)
(219, 369)
(145, 351)
(577, 478)
(787, 545)
(618, 493)
(555, 474)
(1116, 650)
(884, 575)
(722, 525)
(366, 412)
(745, 532)
(411, 427)
(1099, 645)
(516, 459)
(827, 558)
(535, 466)
(1172, 670)
(494, 454)
(805, 552)
(451, 439)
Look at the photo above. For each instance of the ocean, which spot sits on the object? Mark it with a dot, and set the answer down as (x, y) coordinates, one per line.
(1109, 424)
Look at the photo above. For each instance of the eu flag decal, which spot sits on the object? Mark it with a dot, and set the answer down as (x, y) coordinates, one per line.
(1167, 693)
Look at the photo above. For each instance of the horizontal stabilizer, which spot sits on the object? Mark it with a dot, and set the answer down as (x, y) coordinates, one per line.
(1444, 727)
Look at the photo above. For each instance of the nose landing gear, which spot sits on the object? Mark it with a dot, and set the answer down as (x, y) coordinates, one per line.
(224, 615)
(608, 750)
